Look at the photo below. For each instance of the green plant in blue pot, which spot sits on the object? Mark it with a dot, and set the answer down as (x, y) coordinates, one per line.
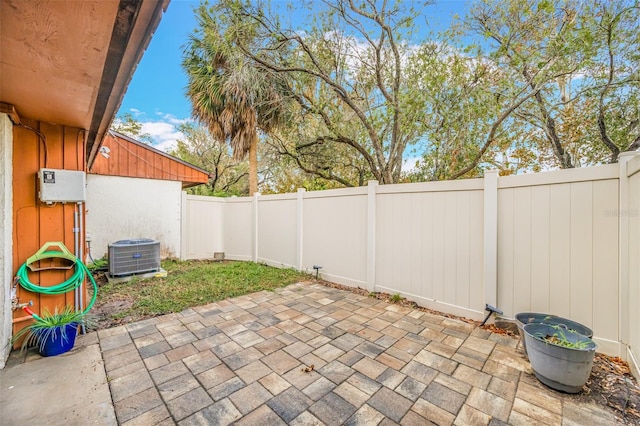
(53, 333)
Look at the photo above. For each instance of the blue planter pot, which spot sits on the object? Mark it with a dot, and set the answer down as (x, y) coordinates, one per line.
(562, 368)
(537, 318)
(57, 340)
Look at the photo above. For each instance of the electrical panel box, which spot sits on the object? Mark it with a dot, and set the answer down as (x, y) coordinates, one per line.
(61, 186)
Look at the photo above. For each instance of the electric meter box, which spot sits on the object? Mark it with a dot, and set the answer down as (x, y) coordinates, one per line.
(61, 186)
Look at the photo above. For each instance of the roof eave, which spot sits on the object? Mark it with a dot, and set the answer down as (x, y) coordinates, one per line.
(135, 24)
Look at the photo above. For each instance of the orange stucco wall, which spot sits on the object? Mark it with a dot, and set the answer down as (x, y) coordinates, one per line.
(35, 223)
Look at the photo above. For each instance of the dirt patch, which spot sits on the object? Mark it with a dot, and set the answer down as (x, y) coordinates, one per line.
(114, 310)
(612, 385)
(104, 312)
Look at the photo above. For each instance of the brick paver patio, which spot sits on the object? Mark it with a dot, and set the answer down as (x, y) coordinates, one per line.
(368, 362)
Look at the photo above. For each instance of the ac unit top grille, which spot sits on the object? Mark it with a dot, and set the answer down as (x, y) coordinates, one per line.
(128, 257)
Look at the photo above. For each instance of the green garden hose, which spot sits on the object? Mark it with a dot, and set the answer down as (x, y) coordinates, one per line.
(70, 284)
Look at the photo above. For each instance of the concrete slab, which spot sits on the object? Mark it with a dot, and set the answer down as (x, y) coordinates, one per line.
(155, 274)
(68, 389)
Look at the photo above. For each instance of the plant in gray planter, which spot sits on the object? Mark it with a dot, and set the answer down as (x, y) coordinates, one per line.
(534, 317)
(560, 358)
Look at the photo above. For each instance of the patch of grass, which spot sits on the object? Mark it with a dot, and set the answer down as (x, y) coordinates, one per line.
(194, 283)
(98, 264)
(396, 298)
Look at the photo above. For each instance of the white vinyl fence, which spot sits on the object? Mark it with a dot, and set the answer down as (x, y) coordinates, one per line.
(629, 214)
(565, 242)
(202, 226)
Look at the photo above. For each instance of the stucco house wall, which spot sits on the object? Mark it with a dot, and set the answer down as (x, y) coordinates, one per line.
(120, 208)
(6, 226)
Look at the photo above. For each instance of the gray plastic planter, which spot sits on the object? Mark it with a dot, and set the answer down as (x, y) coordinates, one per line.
(561, 368)
(535, 317)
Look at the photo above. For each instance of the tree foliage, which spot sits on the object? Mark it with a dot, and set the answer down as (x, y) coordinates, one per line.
(581, 59)
(129, 126)
(344, 76)
(229, 94)
(227, 175)
(517, 85)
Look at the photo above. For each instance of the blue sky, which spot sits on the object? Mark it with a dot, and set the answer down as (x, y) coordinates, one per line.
(155, 96)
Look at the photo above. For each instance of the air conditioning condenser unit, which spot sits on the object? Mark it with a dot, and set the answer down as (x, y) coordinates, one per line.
(128, 257)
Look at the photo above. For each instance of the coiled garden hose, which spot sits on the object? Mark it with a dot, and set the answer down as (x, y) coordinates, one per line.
(75, 281)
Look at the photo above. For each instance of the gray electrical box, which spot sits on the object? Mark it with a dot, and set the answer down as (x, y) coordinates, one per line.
(61, 186)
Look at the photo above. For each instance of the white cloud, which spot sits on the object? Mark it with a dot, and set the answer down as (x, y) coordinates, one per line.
(409, 164)
(166, 146)
(160, 126)
(170, 118)
(162, 130)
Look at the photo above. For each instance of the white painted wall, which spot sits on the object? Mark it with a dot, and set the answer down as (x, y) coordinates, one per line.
(121, 208)
(6, 234)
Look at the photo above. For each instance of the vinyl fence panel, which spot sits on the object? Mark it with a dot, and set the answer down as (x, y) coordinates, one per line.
(558, 247)
(277, 230)
(335, 235)
(429, 244)
(239, 228)
(564, 242)
(202, 226)
(631, 294)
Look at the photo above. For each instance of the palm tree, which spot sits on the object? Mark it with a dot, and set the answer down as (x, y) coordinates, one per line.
(232, 96)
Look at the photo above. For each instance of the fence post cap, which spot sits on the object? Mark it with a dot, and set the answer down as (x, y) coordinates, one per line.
(628, 154)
